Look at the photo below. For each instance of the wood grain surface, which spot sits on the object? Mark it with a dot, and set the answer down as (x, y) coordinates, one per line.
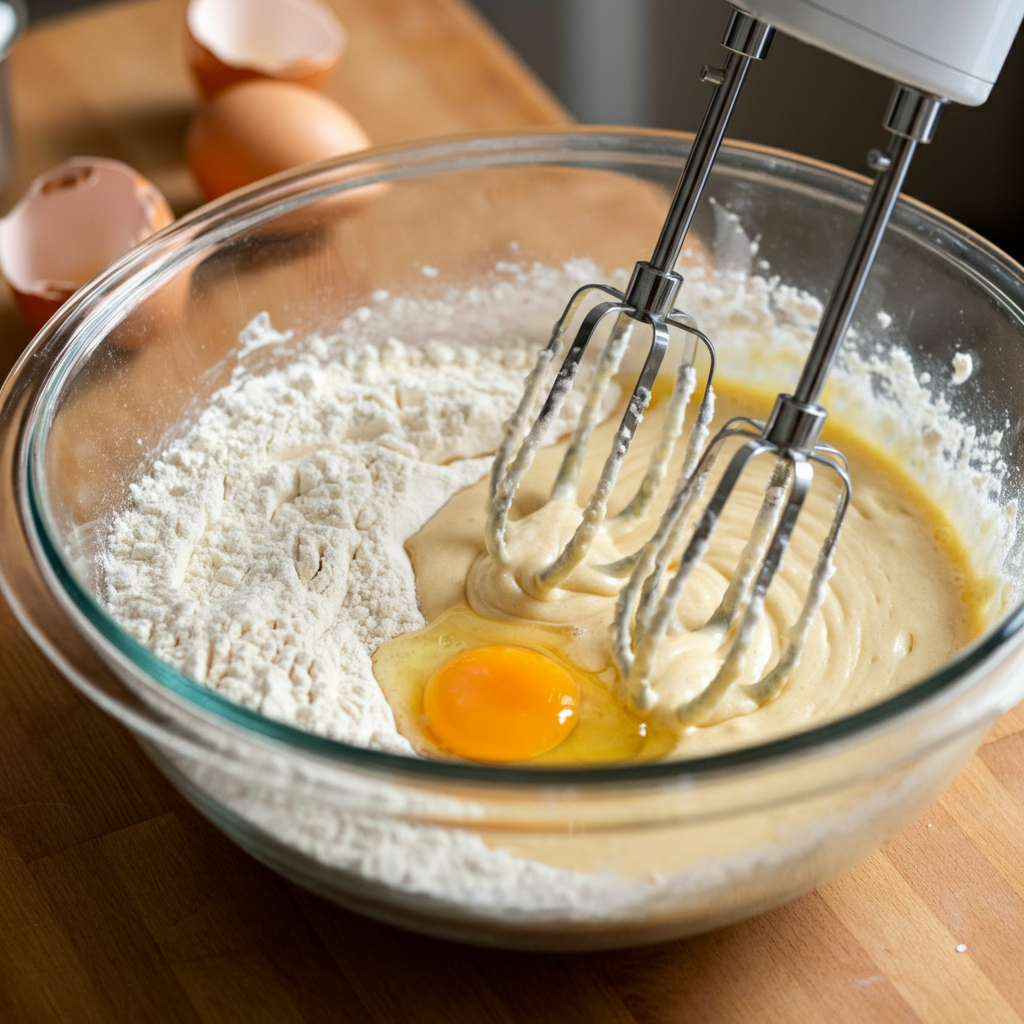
(119, 903)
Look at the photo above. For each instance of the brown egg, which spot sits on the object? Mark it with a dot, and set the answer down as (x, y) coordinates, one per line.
(231, 41)
(262, 127)
(74, 220)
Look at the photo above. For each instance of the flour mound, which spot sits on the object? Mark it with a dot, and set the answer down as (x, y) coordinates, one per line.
(263, 554)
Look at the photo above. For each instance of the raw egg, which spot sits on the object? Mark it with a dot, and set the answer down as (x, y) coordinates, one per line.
(261, 127)
(503, 692)
(500, 703)
(232, 41)
(71, 223)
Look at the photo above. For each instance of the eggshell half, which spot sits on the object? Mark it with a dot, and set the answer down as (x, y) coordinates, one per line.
(262, 127)
(71, 223)
(232, 41)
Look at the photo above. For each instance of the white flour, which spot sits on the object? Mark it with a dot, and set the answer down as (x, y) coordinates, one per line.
(263, 556)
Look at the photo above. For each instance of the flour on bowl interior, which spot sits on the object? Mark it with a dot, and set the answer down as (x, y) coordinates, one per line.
(262, 555)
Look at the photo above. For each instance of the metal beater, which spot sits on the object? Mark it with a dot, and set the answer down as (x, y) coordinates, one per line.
(646, 608)
(944, 50)
(648, 300)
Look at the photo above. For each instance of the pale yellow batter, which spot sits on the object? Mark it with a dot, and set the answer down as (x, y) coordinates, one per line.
(900, 604)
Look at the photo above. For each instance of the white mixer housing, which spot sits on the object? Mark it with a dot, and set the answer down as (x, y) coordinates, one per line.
(949, 48)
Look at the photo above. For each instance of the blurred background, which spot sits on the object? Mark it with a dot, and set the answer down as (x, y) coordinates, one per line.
(637, 62)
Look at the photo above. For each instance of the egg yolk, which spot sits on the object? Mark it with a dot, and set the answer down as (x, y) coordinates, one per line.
(500, 703)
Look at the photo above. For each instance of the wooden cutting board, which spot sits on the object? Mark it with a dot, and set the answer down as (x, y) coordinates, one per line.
(119, 903)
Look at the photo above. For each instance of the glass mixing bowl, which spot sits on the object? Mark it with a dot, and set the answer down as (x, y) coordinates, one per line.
(547, 858)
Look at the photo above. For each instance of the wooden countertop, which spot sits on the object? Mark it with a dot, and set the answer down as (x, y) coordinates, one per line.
(119, 903)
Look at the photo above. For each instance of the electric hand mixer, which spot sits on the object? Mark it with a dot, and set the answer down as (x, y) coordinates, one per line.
(951, 51)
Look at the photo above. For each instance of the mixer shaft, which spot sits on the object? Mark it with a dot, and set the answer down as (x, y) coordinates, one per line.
(646, 609)
(648, 301)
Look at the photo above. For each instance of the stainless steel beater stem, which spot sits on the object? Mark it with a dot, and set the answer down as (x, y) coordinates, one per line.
(912, 117)
(746, 39)
(654, 284)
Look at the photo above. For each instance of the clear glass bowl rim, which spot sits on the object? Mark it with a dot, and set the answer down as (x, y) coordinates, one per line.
(80, 326)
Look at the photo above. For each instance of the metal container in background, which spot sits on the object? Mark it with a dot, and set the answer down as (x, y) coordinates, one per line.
(13, 21)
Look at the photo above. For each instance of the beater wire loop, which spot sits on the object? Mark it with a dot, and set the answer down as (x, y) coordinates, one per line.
(768, 687)
(672, 428)
(647, 607)
(522, 438)
(597, 505)
(784, 510)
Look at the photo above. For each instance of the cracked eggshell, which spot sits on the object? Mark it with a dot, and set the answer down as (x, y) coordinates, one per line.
(232, 41)
(72, 222)
(259, 128)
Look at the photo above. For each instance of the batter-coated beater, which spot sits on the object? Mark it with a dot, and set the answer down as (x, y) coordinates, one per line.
(949, 50)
